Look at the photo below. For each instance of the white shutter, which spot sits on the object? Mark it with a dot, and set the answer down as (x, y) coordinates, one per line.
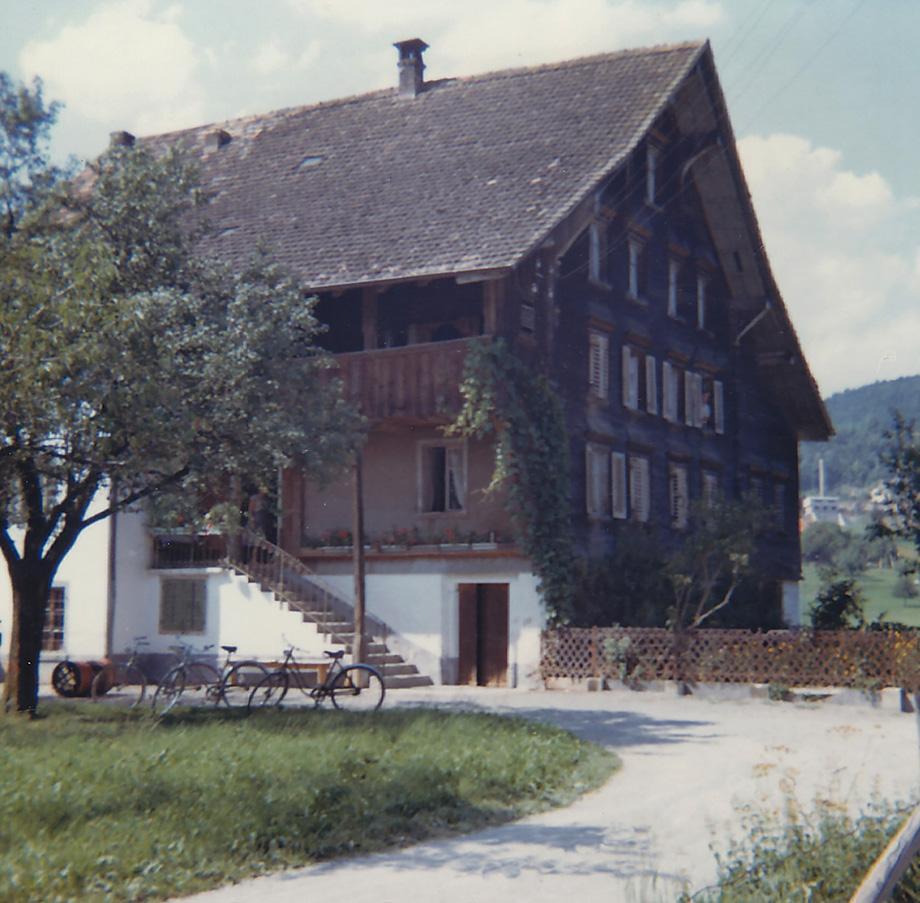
(679, 496)
(598, 482)
(634, 250)
(639, 489)
(718, 404)
(618, 484)
(697, 381)
(710, 488)
(597, 364)
(651, 385)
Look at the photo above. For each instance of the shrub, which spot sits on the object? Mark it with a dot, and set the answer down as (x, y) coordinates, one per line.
(839, 605)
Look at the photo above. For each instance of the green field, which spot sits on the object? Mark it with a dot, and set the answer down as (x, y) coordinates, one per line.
(877, 585)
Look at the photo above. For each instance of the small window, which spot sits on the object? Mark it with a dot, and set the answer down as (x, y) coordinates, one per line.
(631, 361)
(443, 477)
(680, 496)
(670, 400)
(673, 287)
(528, 318)
(693, 399)
(618, 485)
(710, 488)
(652, 154)
(598, 364)
(651, 385)
(718, 407)
(597, 488)
(639, 489)
(53, 632)
(701, 284)
(182, 605)
(637, 269)
(597, 254)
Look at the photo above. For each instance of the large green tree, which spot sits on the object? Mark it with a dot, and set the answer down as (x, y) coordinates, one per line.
(130, 367)
(902, 458)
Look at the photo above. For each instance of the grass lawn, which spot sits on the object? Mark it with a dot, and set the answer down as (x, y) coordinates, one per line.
(878, 589)
(97, 804)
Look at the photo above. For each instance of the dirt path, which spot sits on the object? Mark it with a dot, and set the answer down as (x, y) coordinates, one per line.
(690, 766)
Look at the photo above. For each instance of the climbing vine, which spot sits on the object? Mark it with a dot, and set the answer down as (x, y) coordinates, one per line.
(505, 399)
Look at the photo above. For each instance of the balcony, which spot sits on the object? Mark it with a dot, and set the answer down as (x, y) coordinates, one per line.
(409, 383)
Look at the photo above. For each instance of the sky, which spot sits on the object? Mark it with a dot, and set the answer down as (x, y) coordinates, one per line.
(822, 96)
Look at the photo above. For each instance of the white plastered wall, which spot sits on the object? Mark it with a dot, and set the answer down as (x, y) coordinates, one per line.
(418, 598)
(83, 575)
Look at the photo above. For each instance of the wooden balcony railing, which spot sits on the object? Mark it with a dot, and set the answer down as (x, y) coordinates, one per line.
(413, 382)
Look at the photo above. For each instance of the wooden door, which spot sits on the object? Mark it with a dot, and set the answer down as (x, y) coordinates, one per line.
(483, 634)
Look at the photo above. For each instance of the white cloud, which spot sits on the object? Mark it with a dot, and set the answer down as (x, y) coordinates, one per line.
(498, 33)
(122, 67)
(272, 57)
(835, 239)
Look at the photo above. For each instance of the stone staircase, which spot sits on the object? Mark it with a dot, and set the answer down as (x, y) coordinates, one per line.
(297, 588)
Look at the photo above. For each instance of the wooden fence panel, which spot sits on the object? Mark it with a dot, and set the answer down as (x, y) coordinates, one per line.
(870, 659)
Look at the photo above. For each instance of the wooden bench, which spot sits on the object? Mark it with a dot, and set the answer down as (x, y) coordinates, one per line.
(321, 669)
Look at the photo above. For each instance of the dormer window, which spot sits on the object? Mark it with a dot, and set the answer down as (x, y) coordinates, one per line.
(652, 154)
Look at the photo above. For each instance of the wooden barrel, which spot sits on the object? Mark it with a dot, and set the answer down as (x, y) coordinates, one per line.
(71, 679)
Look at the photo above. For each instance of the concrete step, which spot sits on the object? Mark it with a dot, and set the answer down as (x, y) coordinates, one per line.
(404, 669)
(378, 659)
(413, 680)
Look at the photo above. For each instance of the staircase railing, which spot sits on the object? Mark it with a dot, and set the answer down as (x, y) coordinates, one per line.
(255, 557)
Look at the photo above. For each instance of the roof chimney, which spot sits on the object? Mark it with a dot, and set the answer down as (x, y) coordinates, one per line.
(411, 67)
(121, 139)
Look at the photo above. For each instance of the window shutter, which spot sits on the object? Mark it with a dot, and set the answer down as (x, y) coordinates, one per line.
(688, 400)
(597, 364)
(651, 165)
(639, 489)
(673, 276)
(679, 496)
(651, 385)
(618, 484)
(718, 404)
(633, 287)
(701, 302)
(598, 482)
(710, 488)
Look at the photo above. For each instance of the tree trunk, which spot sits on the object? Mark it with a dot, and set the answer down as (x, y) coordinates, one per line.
(30, 596)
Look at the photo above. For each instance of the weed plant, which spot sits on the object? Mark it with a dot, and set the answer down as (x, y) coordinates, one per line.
(97, 804)
(818, 858)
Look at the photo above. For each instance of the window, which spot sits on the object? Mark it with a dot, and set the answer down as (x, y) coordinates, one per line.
(597, 254)
(673, 286)
(651, 174)
(442, 477)
(651, 385)
(710, 488)
(680, 497)
(637, 270)
(670, 400)
(718, 407)
(528, 317)
(631, 360)
(597, 488)
(618, 484)
(639, 489)
(701, 283)
(182, 605)
(693, 399)
(598, 364)
(53, 632)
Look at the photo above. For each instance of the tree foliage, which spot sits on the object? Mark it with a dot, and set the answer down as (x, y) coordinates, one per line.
(902, 459)
(128, 362)
(505, 399)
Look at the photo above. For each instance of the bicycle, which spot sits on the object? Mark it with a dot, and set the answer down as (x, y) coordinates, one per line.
(121, 681)
(357, 687)
(201, 683)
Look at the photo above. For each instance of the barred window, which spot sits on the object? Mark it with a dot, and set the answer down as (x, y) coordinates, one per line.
(182, 605)
(53, 633)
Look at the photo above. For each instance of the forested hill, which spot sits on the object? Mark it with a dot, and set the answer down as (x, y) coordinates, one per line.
(860, 417)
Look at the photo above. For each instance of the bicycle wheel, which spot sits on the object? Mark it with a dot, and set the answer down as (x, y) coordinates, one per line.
(120, 684)
(202, 684)
(239, 682)
(357, 688)
(269, 692)
(168, 691)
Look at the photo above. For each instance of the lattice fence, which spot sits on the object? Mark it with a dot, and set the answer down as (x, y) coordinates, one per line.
(844, 658)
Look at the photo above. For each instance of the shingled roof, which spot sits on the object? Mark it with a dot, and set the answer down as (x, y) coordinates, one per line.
(469, 175)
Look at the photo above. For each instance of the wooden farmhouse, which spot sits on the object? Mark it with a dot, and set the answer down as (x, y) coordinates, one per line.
(593, 214)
